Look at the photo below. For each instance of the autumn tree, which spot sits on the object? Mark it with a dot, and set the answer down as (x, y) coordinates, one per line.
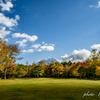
(53, 68)
(95, 57)
(59, 69)
(66, 71)
(97, 71)
(11, 70)
(14, 51)
(7, 55)
(74, 69)
(5, 60)
(45, 67)
(21, 70)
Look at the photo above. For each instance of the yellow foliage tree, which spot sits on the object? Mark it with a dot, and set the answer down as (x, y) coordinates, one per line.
(97, 71)
(43, 65)
(74, 69)
(59, 69)
(53, 67)
(5, 60)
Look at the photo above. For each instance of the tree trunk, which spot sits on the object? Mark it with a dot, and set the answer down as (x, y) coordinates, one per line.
(37, 76)
(5, 71)
(58, 75)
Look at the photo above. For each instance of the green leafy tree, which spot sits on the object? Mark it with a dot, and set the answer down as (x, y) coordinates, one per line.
(82, 71)
(11, 70)
(21, 70)
(38, 70)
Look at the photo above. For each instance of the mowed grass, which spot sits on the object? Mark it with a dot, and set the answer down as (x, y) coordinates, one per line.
(48, 89)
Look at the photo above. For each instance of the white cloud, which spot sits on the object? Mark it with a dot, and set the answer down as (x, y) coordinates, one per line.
(22, 42)
(36, 46)
(17, 17)
(52, 45)
(39, 50)
(76, 55)
(24, 35)
(3, 32)
(43, 42)
(98, 6)
(90, 6)
(26, 51)
(6, 6)
(96, 46)
(46, 48)
(7, 21)
(58, 60)
(6, 40)
(65, 56)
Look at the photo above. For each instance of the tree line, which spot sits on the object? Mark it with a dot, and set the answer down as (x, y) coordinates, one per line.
(89, 68)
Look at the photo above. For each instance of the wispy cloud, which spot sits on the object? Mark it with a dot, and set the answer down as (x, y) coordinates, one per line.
(98, 6)
(43, 42)
(3, 32)
(26, 36)
(36, 46)
(28, 51)
(22, 43)
(46, 48)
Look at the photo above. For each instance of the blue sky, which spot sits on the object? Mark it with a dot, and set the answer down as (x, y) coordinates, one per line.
(62, 29)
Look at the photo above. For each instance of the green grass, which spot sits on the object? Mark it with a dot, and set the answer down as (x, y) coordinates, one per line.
(48, 89)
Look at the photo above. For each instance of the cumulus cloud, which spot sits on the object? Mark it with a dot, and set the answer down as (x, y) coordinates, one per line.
(3, 32)
(96, 46)
(43, 47)
(7, 21)
(6, 6)
(98, 6)
(76, 55)
(22, 43)
(29, 50)
(24, 35)
(36, 46)
(46, 48)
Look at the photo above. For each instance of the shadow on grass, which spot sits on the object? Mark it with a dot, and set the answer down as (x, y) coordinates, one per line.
(93, 79)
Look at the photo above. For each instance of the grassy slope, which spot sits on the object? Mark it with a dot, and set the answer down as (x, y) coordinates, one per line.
(48, 89)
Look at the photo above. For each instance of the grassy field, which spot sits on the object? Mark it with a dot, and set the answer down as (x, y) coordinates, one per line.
(48, 89)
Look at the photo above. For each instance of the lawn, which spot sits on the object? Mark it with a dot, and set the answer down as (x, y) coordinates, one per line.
(48, 89)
